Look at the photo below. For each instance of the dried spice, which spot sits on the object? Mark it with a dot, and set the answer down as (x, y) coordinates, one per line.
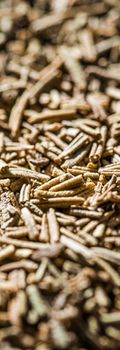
(59, 175)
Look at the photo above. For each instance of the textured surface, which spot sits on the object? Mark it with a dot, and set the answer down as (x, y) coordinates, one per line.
(60, 175)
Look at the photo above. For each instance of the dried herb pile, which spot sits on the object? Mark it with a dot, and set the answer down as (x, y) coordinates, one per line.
(60, 175)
